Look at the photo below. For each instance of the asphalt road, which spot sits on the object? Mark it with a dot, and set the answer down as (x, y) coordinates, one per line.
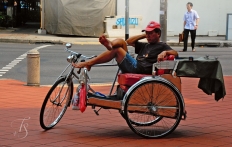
(13, 61)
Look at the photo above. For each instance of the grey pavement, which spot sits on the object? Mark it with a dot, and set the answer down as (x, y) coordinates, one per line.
(29, 34)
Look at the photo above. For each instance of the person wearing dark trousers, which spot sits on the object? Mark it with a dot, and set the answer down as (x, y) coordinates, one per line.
(191, 21)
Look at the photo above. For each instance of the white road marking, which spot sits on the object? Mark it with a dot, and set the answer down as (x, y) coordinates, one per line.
(18, 59)
(6, 67)
(12, 64)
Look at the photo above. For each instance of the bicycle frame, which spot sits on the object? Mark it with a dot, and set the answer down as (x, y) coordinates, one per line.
(76, 57)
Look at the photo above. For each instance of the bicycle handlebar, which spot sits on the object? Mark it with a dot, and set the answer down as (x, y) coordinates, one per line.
(78, 55)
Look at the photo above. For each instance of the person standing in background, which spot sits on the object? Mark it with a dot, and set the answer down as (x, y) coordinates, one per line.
(191, 21)
(5, 4)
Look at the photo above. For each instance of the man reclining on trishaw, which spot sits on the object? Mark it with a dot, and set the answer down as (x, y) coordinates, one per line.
(148, 53)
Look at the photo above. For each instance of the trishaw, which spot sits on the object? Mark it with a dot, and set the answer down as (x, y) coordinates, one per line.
(152, 105)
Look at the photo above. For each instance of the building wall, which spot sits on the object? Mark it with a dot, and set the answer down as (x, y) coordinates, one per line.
(148, 11)
(212, 14)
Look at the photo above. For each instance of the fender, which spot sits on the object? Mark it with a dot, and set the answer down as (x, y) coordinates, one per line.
(147, 79)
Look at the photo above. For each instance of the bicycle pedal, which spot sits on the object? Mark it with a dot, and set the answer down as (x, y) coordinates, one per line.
(96, 112)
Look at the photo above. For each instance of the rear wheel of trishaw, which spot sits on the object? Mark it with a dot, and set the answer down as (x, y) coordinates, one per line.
(56, 103)
(153, 109)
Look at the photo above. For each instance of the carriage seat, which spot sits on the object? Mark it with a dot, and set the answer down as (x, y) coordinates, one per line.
(126, 80)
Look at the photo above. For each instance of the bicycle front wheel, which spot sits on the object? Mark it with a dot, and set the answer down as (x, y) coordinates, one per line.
(55, 103)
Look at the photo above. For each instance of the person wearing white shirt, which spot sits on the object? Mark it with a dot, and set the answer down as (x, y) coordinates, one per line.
(191, 21)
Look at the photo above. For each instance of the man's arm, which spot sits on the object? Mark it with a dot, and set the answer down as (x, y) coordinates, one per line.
(184, 24)
(171, 52)
(165, 53)
(197, 22)
(131, 41)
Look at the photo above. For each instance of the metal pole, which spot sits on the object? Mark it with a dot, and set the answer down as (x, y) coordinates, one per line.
(42, 10)
(163, 19)
(116, 7)
(127, 20)
(42, 14)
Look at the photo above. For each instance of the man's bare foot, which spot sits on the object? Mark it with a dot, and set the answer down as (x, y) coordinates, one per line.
(82, 65)
(105, 42)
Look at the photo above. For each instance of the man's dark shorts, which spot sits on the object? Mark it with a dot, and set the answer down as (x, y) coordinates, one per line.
(128, 65)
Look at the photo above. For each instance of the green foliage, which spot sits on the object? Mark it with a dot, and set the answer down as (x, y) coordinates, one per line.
(6, 21)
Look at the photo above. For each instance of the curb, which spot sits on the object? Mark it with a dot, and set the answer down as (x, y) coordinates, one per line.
(171, 43)
(4, 40)
(75, 85)
(210, 44)
(31, 41)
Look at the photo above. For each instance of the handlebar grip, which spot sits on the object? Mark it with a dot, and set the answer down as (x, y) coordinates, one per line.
(91, 57)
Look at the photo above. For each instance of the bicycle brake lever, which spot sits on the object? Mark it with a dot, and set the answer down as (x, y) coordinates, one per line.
(79, 71)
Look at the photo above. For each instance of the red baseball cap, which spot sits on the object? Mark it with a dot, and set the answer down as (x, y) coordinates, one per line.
(151, 26)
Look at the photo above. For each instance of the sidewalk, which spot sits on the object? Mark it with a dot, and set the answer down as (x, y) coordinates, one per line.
(28, 34)
(208, 122)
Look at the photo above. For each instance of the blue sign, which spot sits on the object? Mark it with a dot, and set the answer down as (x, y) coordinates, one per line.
(132, 21)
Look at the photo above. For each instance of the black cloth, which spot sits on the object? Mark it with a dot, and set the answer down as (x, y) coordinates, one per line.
(193, 37)
(210, 73)
(148, 53)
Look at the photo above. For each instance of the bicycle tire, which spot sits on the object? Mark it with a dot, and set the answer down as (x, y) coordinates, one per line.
(155, 103)
(55, 103)
(157, 119)
(121, 93)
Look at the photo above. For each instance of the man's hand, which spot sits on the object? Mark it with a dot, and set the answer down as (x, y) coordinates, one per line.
(161, 56)
(82, 65)
(195, 27)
